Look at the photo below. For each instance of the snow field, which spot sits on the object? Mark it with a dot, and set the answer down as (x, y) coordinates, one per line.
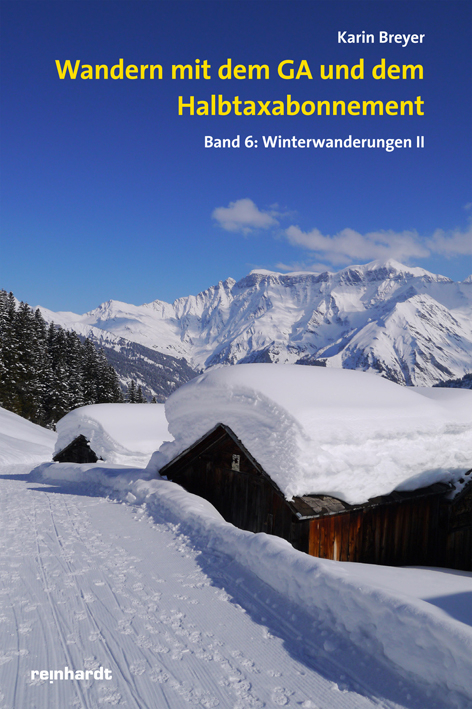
(347, 602)
(185, 609)
(88, 583)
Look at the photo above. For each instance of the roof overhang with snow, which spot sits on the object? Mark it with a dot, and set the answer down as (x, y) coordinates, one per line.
(342, 434)
(304, 507)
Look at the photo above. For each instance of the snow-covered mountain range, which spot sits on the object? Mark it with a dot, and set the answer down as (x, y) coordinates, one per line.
(412, 326)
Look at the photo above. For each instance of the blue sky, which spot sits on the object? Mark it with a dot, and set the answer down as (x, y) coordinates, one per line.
(108, 193)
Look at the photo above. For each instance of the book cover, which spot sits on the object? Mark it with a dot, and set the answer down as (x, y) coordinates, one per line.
(156, 150)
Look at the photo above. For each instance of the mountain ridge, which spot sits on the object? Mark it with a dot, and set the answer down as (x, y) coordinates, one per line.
(404, 322)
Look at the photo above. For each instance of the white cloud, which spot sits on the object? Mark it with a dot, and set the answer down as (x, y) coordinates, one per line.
(348, 245)
(243, 216)
(449, 244)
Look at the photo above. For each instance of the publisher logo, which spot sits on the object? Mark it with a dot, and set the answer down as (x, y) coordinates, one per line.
(68, 674)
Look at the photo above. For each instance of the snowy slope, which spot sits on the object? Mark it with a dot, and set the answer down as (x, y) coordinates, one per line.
(351, 435)
(22, 441)
(410, 324)
(126, 434)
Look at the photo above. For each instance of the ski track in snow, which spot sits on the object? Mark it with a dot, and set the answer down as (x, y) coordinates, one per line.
(87, 582)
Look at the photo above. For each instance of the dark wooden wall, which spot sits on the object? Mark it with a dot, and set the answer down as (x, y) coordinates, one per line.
(396, 534)
(456, 545)
(78, 451)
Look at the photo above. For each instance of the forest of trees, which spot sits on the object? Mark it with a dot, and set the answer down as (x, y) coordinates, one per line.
(45, 371)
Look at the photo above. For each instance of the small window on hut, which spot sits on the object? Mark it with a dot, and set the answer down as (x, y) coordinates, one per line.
(236, 459)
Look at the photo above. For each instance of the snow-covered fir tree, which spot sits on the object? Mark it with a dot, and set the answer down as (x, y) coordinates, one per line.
(46, 371)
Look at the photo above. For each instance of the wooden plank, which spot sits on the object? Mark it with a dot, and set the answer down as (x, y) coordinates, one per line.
(324, 538)
(380, 521)
(449, 558)
(299, 535)
(314, 538)
(355, 524)
(458, 544)
(388, 543)
(438, 538)
(405, 531)
(410, 534)
(397, 522)
(344, 519)
(329, 541)
(337, 537)
(424, 516)
(367, 551)
(377, 517)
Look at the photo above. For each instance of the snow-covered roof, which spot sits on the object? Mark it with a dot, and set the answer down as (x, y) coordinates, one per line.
(314, 430)
(118, 433)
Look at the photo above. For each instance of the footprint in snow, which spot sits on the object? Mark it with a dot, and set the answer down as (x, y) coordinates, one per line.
(158, 675)
(143, 642)
(138, 668)
(162, 649)
(109, 696)
(280, 696)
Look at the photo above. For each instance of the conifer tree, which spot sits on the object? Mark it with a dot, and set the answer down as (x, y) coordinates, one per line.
(89, 372)
(59, 399)
(131, 394)
(3, 347)
(9, 352)
(43, 364)
(74, 366)
(140, 398)
(27, 384)
(46, 371)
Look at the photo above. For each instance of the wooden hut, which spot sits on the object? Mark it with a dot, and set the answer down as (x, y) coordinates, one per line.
(420, 527)
(77, 451)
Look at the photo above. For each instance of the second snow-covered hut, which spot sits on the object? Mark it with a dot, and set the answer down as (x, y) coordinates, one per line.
(125, 434)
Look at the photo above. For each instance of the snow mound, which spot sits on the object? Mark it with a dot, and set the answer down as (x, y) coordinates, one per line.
(118, 433)
(349, 434)
(22, 441)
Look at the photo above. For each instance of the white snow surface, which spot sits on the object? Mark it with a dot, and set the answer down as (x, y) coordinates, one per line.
(415, 621)
(185, 609)
(124, 434)
(22, 441)
(314, 430)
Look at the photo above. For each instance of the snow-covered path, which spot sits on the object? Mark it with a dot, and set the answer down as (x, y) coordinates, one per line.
(86, 582)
